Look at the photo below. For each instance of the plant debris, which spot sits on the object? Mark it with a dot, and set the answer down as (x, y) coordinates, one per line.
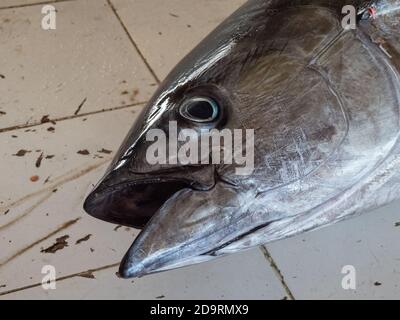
(84, 152)
(60, 244)
(39, 161)
(22, 153)
(86, 238)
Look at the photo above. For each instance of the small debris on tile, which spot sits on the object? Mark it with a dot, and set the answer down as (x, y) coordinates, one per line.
(86, 238)
(188, 25)
(45, 119)
(80, 106)
(22, 153)
(87, 274)
(14, 136)
(84, 152)
(117, 227)
(2, 113)
(91, 250)
(377, 284)
(34, 178)
(104, 151)
(54, 190)
(173, 15)
(47, 180)
(397, 224)
(124, 92)
(160, 33)
(123, 81)
(6, 212)
(51, 129)
(2, 76)
(50, 156)
(160, 297)
(2, 286)
(39, 161)
(60, 244)
(134, 94)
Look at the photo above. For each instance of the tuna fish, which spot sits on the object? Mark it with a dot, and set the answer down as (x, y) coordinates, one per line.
(323, 101)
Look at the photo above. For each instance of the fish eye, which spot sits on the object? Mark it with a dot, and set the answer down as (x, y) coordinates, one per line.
(200, 109)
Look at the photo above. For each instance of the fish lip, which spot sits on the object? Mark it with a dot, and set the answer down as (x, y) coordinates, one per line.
(100, 202)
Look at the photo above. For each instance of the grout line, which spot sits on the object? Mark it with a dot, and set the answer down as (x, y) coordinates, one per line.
(34, 4)
(278, 273)
(24, 126)
(78, 274)
(133, 42)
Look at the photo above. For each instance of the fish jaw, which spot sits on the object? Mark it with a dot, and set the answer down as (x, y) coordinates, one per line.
(187, 230)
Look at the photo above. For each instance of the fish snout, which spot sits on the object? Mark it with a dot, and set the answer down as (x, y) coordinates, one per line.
(188, 229)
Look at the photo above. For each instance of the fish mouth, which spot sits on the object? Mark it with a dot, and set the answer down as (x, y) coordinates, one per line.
(133, 203)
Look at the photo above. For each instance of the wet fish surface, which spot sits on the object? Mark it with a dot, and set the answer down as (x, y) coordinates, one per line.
(323, 102)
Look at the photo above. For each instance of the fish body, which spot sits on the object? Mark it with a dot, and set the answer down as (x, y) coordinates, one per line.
(323, 102)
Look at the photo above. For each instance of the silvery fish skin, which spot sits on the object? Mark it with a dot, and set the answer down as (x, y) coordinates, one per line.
(324, 104)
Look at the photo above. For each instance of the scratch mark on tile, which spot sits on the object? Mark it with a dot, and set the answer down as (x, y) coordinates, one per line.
(80, 106)
(23, 250)
(79, 274)
(38, 123)
(26, 212)
(57, 182)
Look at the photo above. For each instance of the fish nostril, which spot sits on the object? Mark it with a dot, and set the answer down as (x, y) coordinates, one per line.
(200, 109)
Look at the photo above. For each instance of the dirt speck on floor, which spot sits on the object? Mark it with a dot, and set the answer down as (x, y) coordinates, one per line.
(2, 113)
(60, 244)
(117, 227)
(84, 152)
(377, 284)
(39, 161)
(6, 212)
(34, 178)
(45, 119)
(160, 297)
(397, 224)
(85, 238)
(105, 151)
(21, 153)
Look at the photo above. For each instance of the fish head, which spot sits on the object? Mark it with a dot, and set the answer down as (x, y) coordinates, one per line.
(243, 77)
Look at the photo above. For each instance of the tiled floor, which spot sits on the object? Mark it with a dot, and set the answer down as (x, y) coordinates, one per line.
(92, 79)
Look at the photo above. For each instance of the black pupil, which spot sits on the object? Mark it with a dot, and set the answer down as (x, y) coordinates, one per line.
(202, 110)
